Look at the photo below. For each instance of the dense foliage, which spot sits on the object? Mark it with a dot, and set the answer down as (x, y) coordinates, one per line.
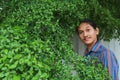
(36, 39)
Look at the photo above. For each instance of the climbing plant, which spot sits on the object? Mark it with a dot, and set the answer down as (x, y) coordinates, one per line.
(36, 39)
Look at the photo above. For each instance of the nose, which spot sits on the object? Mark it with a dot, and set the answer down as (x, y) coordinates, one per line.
(85, 34)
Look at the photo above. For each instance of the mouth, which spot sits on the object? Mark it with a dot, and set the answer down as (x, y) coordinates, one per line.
(86, 39)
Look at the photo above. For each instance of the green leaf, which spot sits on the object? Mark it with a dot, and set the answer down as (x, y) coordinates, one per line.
(16, 77)
(13, 65)
(2, 75)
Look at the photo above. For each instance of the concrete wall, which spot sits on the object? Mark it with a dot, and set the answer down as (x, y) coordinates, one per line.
(113, 45)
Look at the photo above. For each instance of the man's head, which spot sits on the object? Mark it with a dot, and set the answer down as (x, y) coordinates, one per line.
(88, 31)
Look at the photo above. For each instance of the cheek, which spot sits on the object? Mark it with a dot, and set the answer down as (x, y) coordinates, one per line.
(93, 33)
(81, 37)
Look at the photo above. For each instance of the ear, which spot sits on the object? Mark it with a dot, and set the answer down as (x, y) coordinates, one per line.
(97, 30)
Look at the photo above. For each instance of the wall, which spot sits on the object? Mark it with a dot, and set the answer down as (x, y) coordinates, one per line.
(114, 45)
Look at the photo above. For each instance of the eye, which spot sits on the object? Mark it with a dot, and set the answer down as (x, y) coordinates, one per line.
(87, 30)
(80, 32)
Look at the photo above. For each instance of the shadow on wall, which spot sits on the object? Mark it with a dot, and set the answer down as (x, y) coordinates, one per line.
(79, 47)
(113, 45)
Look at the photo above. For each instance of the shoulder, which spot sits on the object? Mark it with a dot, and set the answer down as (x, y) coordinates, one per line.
(105, 51)
(102, 49)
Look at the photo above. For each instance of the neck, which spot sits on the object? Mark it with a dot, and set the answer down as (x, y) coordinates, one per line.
(89, 47)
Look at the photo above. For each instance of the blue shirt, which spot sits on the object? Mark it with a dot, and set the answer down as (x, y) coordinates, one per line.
(106, 57)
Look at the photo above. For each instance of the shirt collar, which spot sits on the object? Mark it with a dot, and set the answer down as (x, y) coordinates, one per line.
(94, 48)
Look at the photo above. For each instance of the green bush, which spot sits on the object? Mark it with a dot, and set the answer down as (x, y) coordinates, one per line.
(36, 41)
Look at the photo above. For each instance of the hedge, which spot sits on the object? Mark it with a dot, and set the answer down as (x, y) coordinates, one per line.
(36, 41)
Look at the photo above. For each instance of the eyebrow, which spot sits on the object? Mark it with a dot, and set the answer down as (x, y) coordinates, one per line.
(88, 27)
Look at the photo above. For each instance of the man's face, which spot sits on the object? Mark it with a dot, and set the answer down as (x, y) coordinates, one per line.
(87, 33)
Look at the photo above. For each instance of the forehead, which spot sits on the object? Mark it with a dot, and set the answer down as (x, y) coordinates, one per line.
(83, 26)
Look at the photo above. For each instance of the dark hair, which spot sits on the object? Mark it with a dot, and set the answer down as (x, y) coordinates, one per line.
(91, 22)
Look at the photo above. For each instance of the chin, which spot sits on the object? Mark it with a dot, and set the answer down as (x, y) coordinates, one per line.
(87, 43)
